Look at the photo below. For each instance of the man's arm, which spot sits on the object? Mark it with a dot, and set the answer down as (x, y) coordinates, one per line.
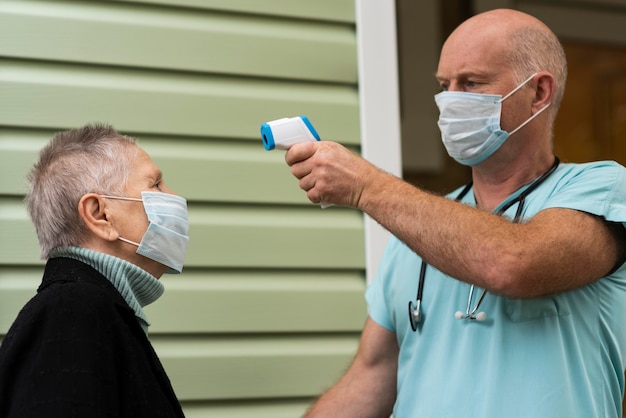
(368, 388)
(557, 250)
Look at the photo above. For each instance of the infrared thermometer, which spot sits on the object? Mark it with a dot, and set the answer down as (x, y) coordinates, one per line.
(285, 132)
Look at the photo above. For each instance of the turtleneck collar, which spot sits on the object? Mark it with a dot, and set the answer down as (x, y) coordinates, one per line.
(138, 287)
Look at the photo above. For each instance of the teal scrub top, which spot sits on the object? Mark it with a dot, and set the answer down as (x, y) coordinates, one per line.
(557, 356)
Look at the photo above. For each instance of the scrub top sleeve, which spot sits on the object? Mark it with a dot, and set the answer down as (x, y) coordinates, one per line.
(596, 188)
(375, 293)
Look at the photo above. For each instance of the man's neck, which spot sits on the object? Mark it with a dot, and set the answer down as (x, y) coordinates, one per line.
(493, 184)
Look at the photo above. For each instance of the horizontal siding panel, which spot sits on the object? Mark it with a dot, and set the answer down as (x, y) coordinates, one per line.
(259, 301)
(229, 302)
(17, 286)
(254, 367)
(200, 170)
(18, 241)
(332, 10)
(18, 153)
(226, 172)
(225, 236)
(276, 408)
(166, 38)
(276, 237)
(60, 96)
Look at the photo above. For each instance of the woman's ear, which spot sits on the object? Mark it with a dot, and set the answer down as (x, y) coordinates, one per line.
(544, 91)
(93, 211)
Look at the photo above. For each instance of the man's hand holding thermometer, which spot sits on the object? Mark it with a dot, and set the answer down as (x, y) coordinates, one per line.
(285, 132)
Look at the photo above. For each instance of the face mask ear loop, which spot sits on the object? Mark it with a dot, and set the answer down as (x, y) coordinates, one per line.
(128, 241)
(529, 119)
(522, 84)
(133, 199)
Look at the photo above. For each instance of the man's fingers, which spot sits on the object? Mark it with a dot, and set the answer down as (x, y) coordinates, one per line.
(300, 152)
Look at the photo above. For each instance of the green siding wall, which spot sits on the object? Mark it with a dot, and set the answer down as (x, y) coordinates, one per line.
(268, 311)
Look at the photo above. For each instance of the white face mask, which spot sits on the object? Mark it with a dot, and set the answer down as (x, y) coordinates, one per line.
(167, 236)
(470, 123)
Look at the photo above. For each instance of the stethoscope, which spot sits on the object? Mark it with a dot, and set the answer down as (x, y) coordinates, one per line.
(415, 311)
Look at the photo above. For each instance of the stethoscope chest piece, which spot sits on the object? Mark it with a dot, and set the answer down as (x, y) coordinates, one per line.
(415, 314)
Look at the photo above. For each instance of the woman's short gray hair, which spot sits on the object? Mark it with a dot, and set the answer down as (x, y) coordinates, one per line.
(92, 159)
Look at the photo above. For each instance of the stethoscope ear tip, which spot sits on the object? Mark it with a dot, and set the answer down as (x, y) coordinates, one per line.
(481, 316)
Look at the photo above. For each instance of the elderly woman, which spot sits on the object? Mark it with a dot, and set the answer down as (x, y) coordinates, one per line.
(108, 227)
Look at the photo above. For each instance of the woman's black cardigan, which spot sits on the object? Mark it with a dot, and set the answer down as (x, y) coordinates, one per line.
(77, 350)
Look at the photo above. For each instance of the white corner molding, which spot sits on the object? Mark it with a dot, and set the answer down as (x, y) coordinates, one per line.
(379, 105)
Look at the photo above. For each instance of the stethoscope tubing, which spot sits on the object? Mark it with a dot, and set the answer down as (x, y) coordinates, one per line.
(415, 314)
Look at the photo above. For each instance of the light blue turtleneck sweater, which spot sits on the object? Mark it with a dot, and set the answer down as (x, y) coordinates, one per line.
(138, 287)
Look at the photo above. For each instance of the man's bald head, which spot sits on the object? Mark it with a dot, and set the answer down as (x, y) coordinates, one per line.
(515, 39)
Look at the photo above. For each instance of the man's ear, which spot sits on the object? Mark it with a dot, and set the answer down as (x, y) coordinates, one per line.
(93, 211)
(545, 90)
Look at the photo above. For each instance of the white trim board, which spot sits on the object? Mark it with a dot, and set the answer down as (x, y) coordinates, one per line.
(379, 105)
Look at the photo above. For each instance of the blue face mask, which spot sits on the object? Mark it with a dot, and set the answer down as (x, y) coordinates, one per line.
(167, 236)
(470, 124)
